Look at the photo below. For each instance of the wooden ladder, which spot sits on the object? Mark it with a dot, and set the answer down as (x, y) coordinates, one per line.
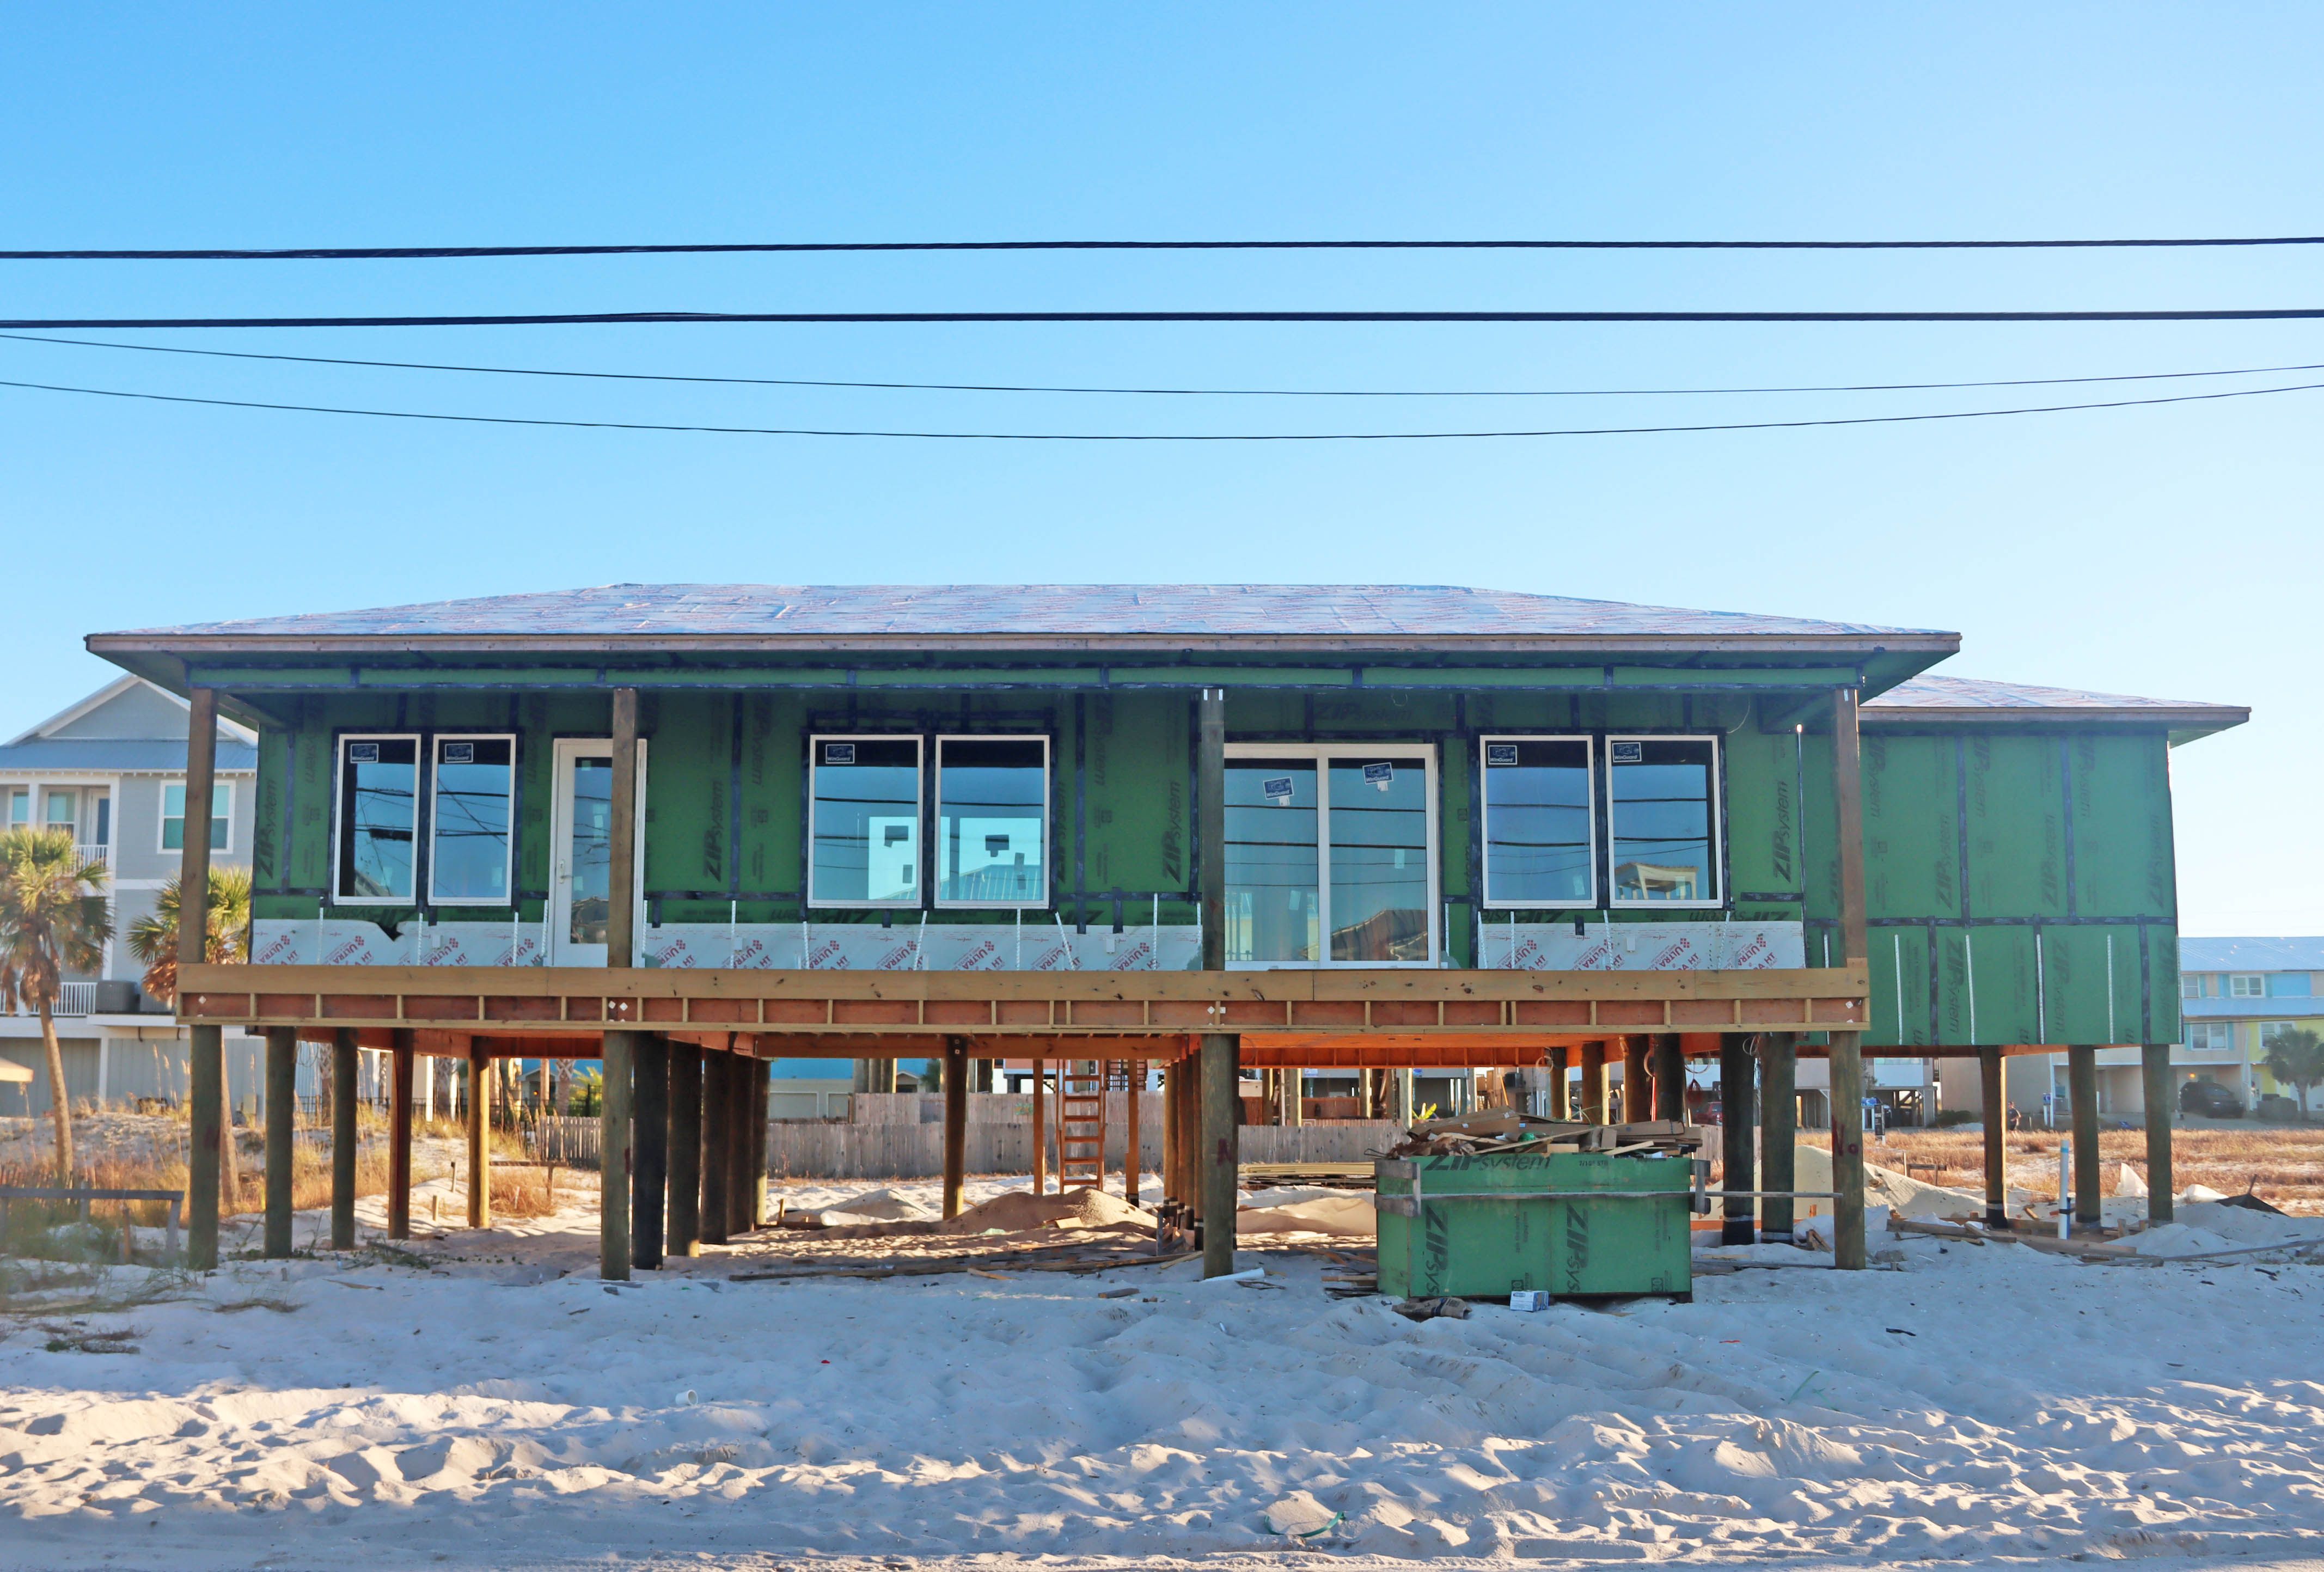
(1081, 1124)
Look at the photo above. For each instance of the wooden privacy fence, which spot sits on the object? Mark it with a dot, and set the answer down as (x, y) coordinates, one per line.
(815, 1149)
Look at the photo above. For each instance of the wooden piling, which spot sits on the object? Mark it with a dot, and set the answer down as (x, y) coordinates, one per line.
(649, 1165)
(1593, 1108)
(682, 1225)
(1221, 1076)
(402, 1065)
(1561, 1095)
(1040, 1127)
(282, 1114)
(1779, 1131)
(205, 1047)
(2082, 1085)
(955, 1122)
(1996, 1137)
(718, 1113)
(2154, 1066)
(478, 1110)
(1736, 1126)
(621, 955)
(1637, 1078)
(1133, 1140)
(759, 1076)
(1669, 1064)
(740, 1192)
(343, 1139)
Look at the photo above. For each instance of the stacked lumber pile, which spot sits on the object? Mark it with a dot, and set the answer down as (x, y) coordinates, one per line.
(1504, 1131)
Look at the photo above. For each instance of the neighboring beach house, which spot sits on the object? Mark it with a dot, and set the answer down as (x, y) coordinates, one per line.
(111, 769)
(2236, 996)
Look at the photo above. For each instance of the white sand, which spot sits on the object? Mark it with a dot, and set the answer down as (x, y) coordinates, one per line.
(1979, 1405)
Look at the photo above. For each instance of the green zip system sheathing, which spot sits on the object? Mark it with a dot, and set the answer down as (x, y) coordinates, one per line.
(1485, 1226)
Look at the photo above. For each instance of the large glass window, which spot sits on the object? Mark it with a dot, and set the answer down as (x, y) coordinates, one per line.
(469, 821)
(1274, 863)
(1540, 833)
(992, 821)
(864, 821)
(1329, 856)
(1661, 808)
(173, 816)
(379, 804)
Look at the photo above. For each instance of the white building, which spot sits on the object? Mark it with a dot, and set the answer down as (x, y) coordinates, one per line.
(111, 769)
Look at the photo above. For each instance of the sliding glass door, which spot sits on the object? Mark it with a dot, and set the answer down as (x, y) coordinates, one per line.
(1330, 856)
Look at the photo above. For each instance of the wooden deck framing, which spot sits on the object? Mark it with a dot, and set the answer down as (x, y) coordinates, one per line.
(870, 1005)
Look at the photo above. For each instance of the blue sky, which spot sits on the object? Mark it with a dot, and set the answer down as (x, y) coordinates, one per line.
(2169, 551)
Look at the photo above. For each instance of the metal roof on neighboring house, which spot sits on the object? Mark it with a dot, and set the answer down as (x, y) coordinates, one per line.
(2251, 955)
(1977, 699)
(755, 615)
(121, 755)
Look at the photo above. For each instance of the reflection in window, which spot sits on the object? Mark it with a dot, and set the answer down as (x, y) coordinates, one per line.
(1274, 911)
(468, 829)
(590, 857)
(992, 814)
(1538, 848)
(173, 816)
(1659, 802)
(379, 799)
(1380, 860)
(863, 824)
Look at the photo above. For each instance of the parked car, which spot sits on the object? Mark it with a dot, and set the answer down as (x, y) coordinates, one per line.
(2210, 1099)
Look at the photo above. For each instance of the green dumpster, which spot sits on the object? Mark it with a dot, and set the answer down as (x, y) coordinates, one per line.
(1574, 1223)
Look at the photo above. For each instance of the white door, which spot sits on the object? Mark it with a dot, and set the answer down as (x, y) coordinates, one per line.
(581, 862)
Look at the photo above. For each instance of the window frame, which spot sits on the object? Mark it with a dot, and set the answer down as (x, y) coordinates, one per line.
(2235, 979)
(1718, 800)
(919, 741)
(2191, 985)
(419, 827)
(1588, 741)
(434, 744)
(1323, 754)
(932, 766)
(219, 845)
(2207, 1028)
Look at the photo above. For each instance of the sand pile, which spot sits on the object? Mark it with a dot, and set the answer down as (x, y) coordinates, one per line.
(1343, 1215)
(1019, 1211)
(881, 1205)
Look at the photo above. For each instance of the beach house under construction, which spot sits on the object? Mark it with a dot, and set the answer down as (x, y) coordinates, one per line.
(688, 830)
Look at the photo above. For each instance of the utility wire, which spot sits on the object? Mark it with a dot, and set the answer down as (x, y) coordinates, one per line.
(434, 253)
(1161, 437)
(1275, 392)
(569, 318)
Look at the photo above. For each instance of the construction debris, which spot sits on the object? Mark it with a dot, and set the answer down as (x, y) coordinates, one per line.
(1503, 1129)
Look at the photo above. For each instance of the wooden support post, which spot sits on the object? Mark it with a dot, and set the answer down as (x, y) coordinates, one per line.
(2154, 1065)
(1040, 1127)
(343, 1093)
(1294, 1108)
(758, 1075)
(1996, 1137)
(738, 1146)
(402, 1061)
(1221, 1167)
(1735, 1127)
(955, 1122)
(682, 1231)
(1133, 1140)
(479, 1111)
(1171, 1189)
(1190, 1132)
(1847, 1246)
(1670, 1078)
(1779, 1131)
(1593, 1108)
(650, 1167)
(621, 955)
(282, 1113)
(206, 1051)
(1561, 1097)
(717, 1114)
(2082, 1086)
(1637, 1079)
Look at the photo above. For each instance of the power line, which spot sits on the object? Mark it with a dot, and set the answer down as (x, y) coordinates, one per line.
(1160, 436)
(1284, 393)
(623, 318)
(439, 253)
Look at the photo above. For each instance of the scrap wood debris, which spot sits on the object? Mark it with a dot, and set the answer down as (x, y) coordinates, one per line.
(1504, 1131)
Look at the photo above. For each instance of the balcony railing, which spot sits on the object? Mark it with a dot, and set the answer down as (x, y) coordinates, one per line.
(100, 854)
(73, 999)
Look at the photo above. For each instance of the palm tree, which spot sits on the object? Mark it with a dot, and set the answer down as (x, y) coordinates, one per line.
(153, 938)
(2296, 1058)
(52, 920)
